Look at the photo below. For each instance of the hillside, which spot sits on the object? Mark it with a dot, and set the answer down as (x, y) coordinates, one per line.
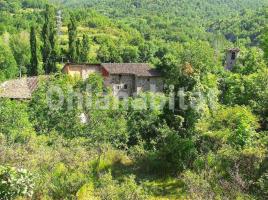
(189, 16)
(202, 135)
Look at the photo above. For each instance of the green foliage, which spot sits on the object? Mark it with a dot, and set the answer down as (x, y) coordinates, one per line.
(20, 47)
(111, 189)
(250, 61)
(15, 123)
(197, 185)
(172, 153)
(231, 125)
(65, 182)
(49, 40)
(15, 183)
(72, 35)
(53, 103)
(218, 145)
(33, 69)
(263, 182)
(109, 52)
(265, 43)
(130, 54)
(8, 67)
(78, 47)
(250, 90)
(85, 49)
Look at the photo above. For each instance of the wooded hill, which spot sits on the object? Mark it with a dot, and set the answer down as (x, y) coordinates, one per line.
(215, 149)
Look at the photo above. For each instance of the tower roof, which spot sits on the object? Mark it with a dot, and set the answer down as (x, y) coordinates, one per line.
(233, 50)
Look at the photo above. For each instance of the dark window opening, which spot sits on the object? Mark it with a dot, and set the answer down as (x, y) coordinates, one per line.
(233, 56)
(125, 86)
(148, 79)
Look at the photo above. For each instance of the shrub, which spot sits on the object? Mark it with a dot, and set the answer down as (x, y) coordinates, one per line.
(65, 182)
(263, 183)
(170, 153)
(130, 190)
(235, 126)
(15, 182)
(197, 186)
(15, 124)
(110, 189)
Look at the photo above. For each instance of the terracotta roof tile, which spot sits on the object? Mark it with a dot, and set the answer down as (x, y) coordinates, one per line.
(138, 69)
(19, 88)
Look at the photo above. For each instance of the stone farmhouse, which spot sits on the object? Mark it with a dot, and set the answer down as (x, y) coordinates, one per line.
(128, 79)
(125, 79)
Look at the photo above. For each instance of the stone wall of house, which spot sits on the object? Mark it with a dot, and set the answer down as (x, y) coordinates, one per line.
(142, 84)
(86, 71)
(129, 85)
(153, 84)
(122, 85)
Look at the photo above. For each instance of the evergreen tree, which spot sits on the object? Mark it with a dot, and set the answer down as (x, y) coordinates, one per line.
(265, 44)
(72, 34)
(49, 40)
(33, 70)
(85, 49)
(78, 50)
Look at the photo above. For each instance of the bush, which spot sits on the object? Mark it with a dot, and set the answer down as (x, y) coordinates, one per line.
(15, 183)
(15, 124)
(110, 189)
(263, 183)
(66, 182)
(170, 153)
(197, 186)
(235, 126)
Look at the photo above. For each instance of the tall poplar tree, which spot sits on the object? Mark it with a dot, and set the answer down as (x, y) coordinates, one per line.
(265, 44)
(49, 40)
(85, 49)
(33, 70)
(78, 50)
(72, 34)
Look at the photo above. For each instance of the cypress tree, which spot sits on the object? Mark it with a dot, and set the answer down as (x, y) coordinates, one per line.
(33, 70)
(85, 48)
(265, 43)
(49, 41)
(78, 50)
(72, 34)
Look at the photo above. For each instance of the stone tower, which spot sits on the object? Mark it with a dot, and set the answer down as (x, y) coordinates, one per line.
(231, 58)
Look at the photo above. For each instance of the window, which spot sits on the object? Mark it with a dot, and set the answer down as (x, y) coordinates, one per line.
(233, 56)
(118, 87)
(125, 86)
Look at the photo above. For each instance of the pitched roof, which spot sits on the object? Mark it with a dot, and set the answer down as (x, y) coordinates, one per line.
(138, 69)
(19, 88)
(233, 50)
(79, 65)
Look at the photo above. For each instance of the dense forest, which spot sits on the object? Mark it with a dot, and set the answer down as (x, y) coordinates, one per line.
(216, 148)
